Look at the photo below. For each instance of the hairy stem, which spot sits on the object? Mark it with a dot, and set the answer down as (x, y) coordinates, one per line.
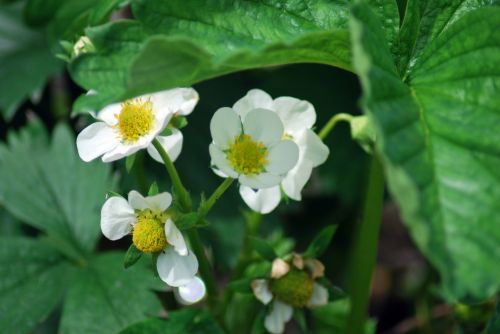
(365, 249)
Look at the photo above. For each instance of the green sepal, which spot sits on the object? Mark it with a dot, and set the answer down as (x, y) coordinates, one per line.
(363, 131)
(264, 249)
(131, 256)
(260, 269)
(187, 221)
(300, 318)
(153, 189)
(179, 122)
(243, 285)
(320, 243)
(258, 324)
(112, 193)
(129, 162)
(334, 292)
(66, 46)
(166, 132)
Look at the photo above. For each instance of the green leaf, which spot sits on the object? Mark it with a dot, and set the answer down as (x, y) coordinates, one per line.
(48, 187)
(26, 60)
(243, 285)
(34, 279)
(332, 318)
(425, 20)
(439, 136)
(181, 45)
(187, 321)
(264, 249)
(131, 256)
(187, 221)
(105, 298)
(300, 318)
(129, 162)
(494, 323)
(320, 243)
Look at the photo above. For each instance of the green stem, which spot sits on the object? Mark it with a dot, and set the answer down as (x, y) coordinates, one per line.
(332, 122)
(365, 249)
(179, 189)
(209, 203)
(252, 225)
(140, 175)
(194, 238)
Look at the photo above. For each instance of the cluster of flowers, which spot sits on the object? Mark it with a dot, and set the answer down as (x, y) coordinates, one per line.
(267, 145)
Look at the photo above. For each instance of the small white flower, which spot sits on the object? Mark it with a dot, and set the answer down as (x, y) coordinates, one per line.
(298, 118)
(293, 287)
(251, 147)
(125, 128)
(152, 232)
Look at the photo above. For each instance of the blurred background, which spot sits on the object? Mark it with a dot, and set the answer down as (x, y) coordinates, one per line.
(34, 85)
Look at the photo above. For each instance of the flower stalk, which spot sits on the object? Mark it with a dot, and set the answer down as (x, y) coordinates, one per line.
(332, 122)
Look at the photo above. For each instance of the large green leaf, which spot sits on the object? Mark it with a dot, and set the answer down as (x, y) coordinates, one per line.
(105, 298)
(25, 58)
(332, 318)
(34, 279)
(427, 19)
(50, 188)
(440, 142)
(188, 45)
(187, 321)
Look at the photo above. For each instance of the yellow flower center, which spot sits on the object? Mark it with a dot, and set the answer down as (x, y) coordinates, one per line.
(148, 234)
(295, 288)
(247, 156)
(135, 119)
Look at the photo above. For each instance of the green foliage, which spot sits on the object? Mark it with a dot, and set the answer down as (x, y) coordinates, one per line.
(332, 318)
(26, 60)
(320, 243)
(439, 133)
(34, 279)
(48, 187)
(104, 298)
(187, 321)
(174, 44)
(494, 323)
(264, 249)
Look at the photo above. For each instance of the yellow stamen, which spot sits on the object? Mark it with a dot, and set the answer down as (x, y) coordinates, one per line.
(135, 120)
(247, 156)
(148, 234)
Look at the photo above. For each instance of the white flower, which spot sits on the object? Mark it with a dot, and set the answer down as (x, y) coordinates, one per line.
(289, 287)
(125, 128)
(251, 147)
(298, 118)
(152, 232)
(192, 292)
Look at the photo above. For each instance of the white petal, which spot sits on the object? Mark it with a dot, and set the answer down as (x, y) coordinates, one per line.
(175, 269)
(171, 144)
(262, 200)
(319, 295)
(261, 291)
(254, 99)
(117, 218)
(282, 157)
(120, 151)
(159, 202)
(179, 100)
(297, 115)
(280, 314)
(225, 126)
(314, 149)
(95, 140)
(220, 161)
(296, 179)
(264, 126)
(192, 292)
(137, 201)
(260, 181)
(175, 238)
(108, 114)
